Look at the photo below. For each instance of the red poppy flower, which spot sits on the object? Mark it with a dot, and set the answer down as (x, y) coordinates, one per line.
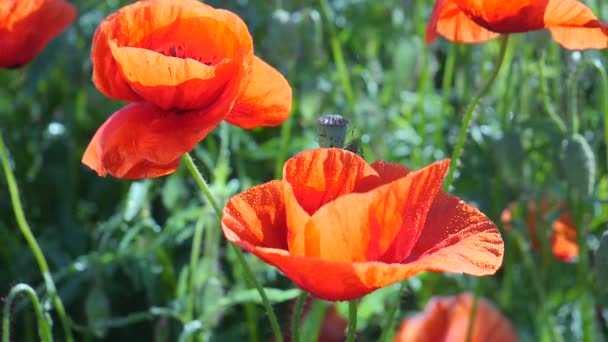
(564, 244)
(186, 66)
(571, 23)
(341, 228)
(447, 319)
(26, 26)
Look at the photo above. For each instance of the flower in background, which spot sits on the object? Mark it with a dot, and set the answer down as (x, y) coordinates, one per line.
(185, 66)
(571, 23)
(26, 26)
(564, 245)
(447, 319)
(340, 228)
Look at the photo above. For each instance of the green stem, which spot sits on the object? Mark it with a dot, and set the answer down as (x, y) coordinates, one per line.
(389, 328)
(471, 323)
(338, 56)
(468, 117)
(31, 241)
(295, 317)
(584, 274)
(549, 321)
(545, 97)
(44, 330)
(194, 258)
(248, 273)
(352, 321)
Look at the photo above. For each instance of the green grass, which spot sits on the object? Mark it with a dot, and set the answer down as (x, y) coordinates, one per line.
(120, 252)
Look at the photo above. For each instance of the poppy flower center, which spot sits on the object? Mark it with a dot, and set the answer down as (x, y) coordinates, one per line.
(181, 51)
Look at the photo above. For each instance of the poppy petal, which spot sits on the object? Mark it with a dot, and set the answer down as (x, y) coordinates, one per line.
(379, 225)
(257, 215)
(389, 172)
(447, 319)
(564, 238)
(27, 26)
(266, 99)
(174, 83)
(458, 238)
(142, 141)
(452, 23)
(183, 29)
(322, 175)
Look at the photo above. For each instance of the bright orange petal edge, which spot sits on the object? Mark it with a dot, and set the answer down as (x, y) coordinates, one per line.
(26, 26)
(456, 238)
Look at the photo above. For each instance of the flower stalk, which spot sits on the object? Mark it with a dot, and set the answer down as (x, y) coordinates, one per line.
(249, 277)
(31, 241)
(468, 117)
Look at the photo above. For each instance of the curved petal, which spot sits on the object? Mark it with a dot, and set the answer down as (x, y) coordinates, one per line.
(257, 215)
(142, 141)
(389, 172)
(322, 175)
(380, 225)
(451, 22)
(184, 29)
(26, 26)
(171, 82)
(447, 319)
(266, 98)
(574, 26)
(458, 238)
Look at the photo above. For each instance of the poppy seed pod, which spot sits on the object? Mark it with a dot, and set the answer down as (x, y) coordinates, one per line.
(578, 162)
(331, 131)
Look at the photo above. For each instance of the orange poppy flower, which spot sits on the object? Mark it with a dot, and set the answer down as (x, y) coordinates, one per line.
(186, 66)
(341, 228)
(564, 244)
(447, 319)
(26, 26)
(571, 23)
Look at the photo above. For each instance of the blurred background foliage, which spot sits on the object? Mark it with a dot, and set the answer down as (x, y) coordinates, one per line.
(120, 251)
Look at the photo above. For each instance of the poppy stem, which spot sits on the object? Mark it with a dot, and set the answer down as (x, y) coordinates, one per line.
(389, 329)
(352, 321)
(249, 277)
(32, 243)
(468, 117)
(336, 50)
(295, 318)
(545, 97)
(44, 330)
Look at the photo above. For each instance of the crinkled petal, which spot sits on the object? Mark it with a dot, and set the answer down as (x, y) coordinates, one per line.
(322, 175)
(379, 225)
(258, 215)
(214, 46)
(266, 98)
(453, 24)
(142, 141)
(458, 238)
(26, 26)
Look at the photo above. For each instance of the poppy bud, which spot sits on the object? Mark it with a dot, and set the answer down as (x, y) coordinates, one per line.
(601, 263)
(331, 131)
(578, 162)
(97, 308)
